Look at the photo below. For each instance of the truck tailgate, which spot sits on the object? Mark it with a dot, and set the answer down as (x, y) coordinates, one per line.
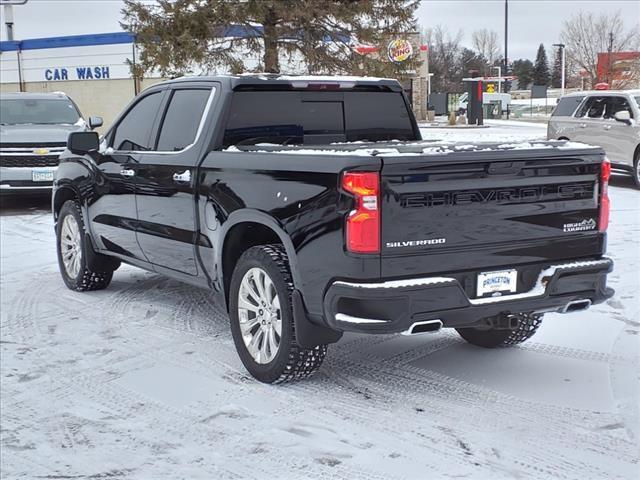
(488, 209)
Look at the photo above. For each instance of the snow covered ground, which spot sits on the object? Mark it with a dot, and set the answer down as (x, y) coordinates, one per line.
(141, 381)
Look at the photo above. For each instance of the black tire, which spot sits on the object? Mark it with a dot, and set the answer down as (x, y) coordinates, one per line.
(86, 279)
(492, 338)
(636, 169)
(291, 361)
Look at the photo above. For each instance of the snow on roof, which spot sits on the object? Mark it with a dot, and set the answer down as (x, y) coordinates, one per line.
(603, 92)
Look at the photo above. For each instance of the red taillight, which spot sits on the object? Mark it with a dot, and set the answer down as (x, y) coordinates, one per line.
(605, 204)
(363, 223)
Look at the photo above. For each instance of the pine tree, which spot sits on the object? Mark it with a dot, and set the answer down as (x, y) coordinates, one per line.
(182, 36)
(556, 72)
(541, 74)
(523, 69)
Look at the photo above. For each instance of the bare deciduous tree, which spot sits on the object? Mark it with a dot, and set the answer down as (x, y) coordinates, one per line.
(486, 43)
(444, 56)
(586, 34)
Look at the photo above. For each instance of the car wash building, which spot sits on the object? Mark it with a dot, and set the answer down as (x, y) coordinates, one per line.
(94, 70)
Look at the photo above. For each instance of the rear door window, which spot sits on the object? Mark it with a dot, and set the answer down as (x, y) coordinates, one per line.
(134, 130)
(567, 106)
(182, 119)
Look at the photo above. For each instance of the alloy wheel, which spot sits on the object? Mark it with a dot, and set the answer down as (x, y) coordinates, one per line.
(260, 315)
(70, 246)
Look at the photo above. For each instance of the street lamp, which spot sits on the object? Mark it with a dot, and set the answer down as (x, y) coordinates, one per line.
(562, 53)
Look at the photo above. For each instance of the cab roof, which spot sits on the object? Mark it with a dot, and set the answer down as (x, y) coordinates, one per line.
(256, 81)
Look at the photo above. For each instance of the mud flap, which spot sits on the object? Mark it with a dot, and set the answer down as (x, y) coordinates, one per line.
(98, 262)
(309, 335)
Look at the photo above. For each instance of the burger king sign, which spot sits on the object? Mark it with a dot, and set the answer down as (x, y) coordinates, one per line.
(399, 50)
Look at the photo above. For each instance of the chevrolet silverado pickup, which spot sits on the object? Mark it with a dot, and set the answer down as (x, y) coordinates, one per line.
(311, 207)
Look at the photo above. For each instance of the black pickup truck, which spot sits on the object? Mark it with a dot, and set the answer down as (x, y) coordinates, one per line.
(312, 207)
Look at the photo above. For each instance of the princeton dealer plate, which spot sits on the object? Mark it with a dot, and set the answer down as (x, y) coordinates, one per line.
(42, 175)
(492, 282)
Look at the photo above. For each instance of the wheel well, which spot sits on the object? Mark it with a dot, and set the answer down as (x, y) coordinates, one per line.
(636, 153)
(240, 238)
(563, 138)
(62, 195)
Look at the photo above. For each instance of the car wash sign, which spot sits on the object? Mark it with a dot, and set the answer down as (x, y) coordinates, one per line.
(54, 74)
(399, 50)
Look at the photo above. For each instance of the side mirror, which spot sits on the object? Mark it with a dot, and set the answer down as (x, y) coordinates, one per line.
(81, 143)
(95, 122)
(623, 116)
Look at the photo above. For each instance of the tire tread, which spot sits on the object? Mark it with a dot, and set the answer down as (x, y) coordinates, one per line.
(302, 362)
(88, 280)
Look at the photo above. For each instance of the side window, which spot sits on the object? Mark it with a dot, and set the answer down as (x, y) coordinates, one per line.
(182, 119)
(567, 106)
(134, 130)
(615, 105)
(594, 108)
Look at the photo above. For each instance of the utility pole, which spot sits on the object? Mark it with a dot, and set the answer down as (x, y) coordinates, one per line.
(562, 56)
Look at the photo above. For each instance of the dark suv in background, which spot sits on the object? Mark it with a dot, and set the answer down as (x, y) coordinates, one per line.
(33, 133)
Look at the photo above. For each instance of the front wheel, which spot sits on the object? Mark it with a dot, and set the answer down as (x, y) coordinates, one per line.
(72, 261)
(262, 318)
(528, 324)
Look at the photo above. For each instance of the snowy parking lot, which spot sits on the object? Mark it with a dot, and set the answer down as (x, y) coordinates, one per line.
(142, 381)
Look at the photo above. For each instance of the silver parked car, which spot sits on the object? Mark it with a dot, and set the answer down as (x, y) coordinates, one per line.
(610, 119)
(33, 133)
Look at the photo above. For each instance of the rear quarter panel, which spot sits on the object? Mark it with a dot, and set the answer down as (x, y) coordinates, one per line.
(298, 196)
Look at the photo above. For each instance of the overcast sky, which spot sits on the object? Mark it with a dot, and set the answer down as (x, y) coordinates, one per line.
(531, 22)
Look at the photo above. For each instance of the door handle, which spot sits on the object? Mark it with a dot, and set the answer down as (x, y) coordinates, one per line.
(607, 127)
(583, 125)
(127, 173)
(183, 177)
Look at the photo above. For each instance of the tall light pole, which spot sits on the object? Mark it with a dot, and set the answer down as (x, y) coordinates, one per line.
(506, 51)
(562, 56)
(7, 6)
(506, 38)
(8, 15)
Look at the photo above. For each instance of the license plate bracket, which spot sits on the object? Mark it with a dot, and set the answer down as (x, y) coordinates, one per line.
(501, 281)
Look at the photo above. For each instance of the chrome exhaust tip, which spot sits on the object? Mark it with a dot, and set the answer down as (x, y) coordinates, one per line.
(427, 326)
(576, 306)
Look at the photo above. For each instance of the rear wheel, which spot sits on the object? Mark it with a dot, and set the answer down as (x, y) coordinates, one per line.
(72, 260)
(491, 338)
(636, 169)
(262, 318)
